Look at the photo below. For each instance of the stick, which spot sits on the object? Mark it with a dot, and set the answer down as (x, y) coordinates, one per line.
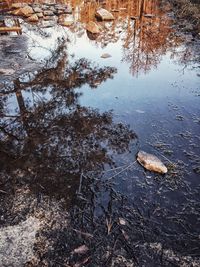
(123, 170)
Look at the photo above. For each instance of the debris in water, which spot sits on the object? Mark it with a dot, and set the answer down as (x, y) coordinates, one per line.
(151, 162)
(140, 111)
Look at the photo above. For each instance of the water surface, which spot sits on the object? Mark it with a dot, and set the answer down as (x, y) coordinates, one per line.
(71, 129)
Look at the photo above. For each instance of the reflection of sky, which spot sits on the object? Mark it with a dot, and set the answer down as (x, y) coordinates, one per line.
(134, 98)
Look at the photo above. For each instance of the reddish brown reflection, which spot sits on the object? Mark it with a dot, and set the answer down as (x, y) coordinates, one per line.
(142, 26)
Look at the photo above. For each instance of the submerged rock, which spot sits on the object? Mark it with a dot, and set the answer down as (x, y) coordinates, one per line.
(104, 14)
(151, 162)
(106, 55)
(92, 27)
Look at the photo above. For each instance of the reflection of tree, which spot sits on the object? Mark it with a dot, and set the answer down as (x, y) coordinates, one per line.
(141, 25)
(51, 138)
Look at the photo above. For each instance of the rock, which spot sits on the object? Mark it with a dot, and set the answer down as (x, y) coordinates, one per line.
(37, 10)
(63, 10)
(106, 55)
(7, 71)
(40, 15)
(25, 11)
(17, 5)
(49, 2)
(134, 17)
(48, 13)
(47, 24)
(92, 27)
(104, 14)
(33, 18)
(149, 16)
(151, 162)
(66, 23)
(51, 18)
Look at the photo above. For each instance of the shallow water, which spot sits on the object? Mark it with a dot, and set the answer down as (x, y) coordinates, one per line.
(71, 129)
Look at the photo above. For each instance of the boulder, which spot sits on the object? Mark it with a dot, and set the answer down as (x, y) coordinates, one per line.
(92, 27)
(25, 11)
(104, 14)
(33, 18)
(151, 162)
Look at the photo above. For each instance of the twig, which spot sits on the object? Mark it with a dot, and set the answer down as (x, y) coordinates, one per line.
(130, 165)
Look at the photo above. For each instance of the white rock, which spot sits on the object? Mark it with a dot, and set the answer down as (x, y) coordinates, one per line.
(151, 162)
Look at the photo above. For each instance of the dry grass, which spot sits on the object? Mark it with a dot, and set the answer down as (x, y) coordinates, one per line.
(188, 11)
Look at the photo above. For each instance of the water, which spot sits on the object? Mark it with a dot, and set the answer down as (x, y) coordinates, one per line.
(71, 129)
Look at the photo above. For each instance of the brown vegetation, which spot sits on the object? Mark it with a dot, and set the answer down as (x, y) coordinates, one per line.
(188, 12)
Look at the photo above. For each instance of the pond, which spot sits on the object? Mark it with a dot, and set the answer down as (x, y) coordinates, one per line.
(75, 110)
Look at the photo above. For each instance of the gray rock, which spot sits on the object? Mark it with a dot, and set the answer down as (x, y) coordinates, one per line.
(37, 9)
(48, 13)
